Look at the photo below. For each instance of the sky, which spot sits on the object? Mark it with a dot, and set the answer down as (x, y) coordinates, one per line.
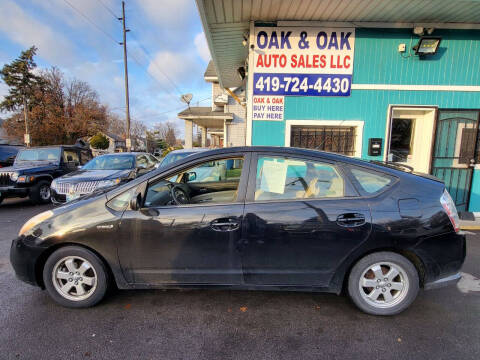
(168, 53)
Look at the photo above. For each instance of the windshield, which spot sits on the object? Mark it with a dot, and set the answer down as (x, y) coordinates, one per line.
(110, 162)
(172, 157)
(44, 154)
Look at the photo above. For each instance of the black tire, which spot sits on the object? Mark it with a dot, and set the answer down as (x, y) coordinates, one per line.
(372, 300)
(99, 289)
(35, 193)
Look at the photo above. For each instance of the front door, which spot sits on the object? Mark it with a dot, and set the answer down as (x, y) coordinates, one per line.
(184, 235)
(301, 220)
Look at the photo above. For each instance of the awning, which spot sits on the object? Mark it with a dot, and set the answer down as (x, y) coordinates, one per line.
(225, 22)
(204, 116)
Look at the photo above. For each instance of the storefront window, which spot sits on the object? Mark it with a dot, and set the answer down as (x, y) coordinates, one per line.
(336, 139)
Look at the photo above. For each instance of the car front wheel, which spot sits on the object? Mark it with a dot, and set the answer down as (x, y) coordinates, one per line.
(40, 193)
(75, 277)
(383, 283)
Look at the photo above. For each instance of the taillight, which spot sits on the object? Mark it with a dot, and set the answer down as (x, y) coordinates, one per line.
(450, 209)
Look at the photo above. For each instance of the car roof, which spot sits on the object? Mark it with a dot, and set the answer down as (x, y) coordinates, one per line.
(192, 150)
(131, 153)
(288, 151)
(57, 146)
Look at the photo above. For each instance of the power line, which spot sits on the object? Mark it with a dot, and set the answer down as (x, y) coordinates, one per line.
(149, 57)
(147, 54)
(108, 9)
(113, 39)
(169, 111)
(91, 22)
(153, 77)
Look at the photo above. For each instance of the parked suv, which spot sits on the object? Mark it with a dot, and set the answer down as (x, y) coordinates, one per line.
(8, 153)
(34, 169)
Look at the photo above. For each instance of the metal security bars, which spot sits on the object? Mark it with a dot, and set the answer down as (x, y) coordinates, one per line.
(456, 152)
(337, 139)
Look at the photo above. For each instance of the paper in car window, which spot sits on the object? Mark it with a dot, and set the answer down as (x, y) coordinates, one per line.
(273, 176)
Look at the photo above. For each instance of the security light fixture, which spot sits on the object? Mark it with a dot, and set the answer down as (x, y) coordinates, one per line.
(427, 45)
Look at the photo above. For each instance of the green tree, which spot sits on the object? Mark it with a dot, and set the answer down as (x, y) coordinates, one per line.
(99, 141)
(22, 83)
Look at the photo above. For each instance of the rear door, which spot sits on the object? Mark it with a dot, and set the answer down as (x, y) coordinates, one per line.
(302, 218)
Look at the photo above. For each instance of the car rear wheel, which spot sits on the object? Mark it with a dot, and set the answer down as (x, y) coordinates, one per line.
(40, 193)
(75, 277)
(383, 283)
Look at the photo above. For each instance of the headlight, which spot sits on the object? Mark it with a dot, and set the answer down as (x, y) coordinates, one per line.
(14, 176)
(53, 185)
(105, 183)
(34, 221)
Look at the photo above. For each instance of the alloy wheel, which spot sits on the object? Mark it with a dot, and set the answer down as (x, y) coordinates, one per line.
(45, 192)
(383, 284)
(74, 278)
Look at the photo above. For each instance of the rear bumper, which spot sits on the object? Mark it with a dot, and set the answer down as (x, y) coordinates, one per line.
(446, 281)
(442, 257)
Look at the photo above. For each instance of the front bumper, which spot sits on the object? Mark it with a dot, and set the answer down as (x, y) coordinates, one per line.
(24, 257)
(57, 199)
(13, 191)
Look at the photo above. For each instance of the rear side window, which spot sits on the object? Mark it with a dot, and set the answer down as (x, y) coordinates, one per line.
(371, 182)
(280, 178)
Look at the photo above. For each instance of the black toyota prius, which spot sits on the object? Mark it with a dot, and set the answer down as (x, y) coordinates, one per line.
(251, 218)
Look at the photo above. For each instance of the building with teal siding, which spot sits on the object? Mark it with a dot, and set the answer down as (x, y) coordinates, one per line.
(391, 81)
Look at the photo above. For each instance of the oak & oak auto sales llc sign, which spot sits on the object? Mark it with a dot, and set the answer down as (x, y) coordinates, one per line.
(299, 61)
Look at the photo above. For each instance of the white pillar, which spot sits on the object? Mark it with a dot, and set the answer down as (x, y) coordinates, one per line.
(204, 136)
(188, 134)
(225, 135)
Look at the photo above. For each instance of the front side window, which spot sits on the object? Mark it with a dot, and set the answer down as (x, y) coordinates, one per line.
(212, 182)
(71, 156)
(142, 162)
(280, 178)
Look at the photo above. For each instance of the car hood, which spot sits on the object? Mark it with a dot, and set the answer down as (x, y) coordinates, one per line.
(30, 167)
(94, 175)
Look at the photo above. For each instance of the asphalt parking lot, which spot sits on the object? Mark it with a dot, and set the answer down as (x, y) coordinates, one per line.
(197, 324)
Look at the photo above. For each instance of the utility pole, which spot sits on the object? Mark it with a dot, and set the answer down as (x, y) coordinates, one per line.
(25, 115)
(127, 101)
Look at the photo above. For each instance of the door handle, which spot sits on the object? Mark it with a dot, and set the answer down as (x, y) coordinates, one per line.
(227, 224)
(351, 220)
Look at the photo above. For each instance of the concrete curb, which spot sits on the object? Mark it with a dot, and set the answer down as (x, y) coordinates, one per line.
(470, 227)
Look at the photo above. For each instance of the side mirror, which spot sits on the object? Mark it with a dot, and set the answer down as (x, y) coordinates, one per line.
(157, 165)
(135, 202)
(192, 176)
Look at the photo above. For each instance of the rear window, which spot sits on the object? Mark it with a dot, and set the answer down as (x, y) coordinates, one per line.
(371, 182)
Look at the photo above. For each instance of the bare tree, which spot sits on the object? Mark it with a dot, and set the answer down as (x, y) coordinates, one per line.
(167, 131)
